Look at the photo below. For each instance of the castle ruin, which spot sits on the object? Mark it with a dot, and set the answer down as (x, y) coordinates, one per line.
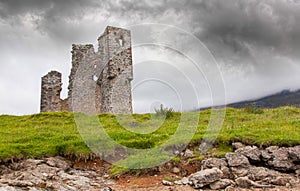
(99, 82)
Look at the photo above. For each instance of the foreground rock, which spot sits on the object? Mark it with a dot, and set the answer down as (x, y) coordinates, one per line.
(49, 174)
(277, 167)
(205, 177)
(248, 168)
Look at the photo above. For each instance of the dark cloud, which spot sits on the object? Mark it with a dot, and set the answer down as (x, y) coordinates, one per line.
(256, 43)
(263, 24)
(58, 19)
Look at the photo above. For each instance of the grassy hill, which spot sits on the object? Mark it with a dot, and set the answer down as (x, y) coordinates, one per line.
(49, 134)
(284, 98)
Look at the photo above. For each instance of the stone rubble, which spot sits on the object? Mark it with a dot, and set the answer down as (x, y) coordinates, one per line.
(53, 173)
(276, 166)
(248, 167)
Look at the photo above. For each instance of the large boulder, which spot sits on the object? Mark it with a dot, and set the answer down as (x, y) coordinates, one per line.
(280, 159)
(213, 162)
(251, 152)
(205, 177)
(221, 184)
(245, 182)
(58, 162)
(217, 163)
(294, 153)
(237, 160)
(260, 173)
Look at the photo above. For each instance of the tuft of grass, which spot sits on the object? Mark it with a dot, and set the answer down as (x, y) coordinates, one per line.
(164, 112)
(116, 170)
(171, 178)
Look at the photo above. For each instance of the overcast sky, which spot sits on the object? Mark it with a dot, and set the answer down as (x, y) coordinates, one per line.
(255, 43)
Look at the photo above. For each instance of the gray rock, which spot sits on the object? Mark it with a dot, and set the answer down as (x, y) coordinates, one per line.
(281, 181)
(217, 163)
(51, 174)
(167, 183)
(58, 162)
(205, 177)
(60, 187)
(239, 171)
(238, 145)
(237, 160)
(176, 170)
(79, 182)
(226, 172)
(280, 159)
(185, 181)
(245, 182)
(265, 155)
(29, 163)
(106, 189)
(251, 152)
(8, 188)
(294, 153)
(220, 184)
(272, 149)
(178, 182)
(260, 173)
(204, 146)
(214, 162)
(188, 153)
(20, 183)
(282, 165)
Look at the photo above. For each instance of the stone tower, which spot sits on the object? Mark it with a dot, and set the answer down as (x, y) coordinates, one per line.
(100, 82)
(51, 89)
(115, 78)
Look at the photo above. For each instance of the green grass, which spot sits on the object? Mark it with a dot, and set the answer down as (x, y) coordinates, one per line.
(49, 134)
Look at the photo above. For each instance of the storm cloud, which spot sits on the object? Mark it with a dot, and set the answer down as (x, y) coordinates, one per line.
(255, 43)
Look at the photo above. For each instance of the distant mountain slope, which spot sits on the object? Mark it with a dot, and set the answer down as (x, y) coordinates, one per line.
(284, 98)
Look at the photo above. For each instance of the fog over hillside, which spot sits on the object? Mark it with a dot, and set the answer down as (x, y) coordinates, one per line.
(254, 43)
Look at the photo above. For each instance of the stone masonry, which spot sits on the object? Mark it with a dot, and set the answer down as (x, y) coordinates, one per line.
(51, 88)
(99, 82)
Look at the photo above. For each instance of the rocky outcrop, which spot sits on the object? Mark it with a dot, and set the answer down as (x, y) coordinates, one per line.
(53, 173)
(249, 167)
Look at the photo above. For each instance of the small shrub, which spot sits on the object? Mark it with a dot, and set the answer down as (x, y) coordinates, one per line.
(253, 109)
(164, 111)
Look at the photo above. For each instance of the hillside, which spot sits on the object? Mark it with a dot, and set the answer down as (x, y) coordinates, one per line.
(284, 98)
(50, 134)
(32, 146)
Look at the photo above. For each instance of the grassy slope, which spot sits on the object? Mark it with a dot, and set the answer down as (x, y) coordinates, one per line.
(56, 133)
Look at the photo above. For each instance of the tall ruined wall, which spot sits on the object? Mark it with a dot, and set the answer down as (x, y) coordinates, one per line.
(115, 79)
(78, 54)
(84, 94)
(50, 92)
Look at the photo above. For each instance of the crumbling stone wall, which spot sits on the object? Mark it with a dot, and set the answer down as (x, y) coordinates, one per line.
(115, 79)
(51, 89)
(78, 54)
(100, 82)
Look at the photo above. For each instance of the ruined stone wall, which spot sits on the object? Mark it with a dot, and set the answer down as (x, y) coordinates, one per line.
(78, 54)
(115, 79)
(50, 92)
(100, 82)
